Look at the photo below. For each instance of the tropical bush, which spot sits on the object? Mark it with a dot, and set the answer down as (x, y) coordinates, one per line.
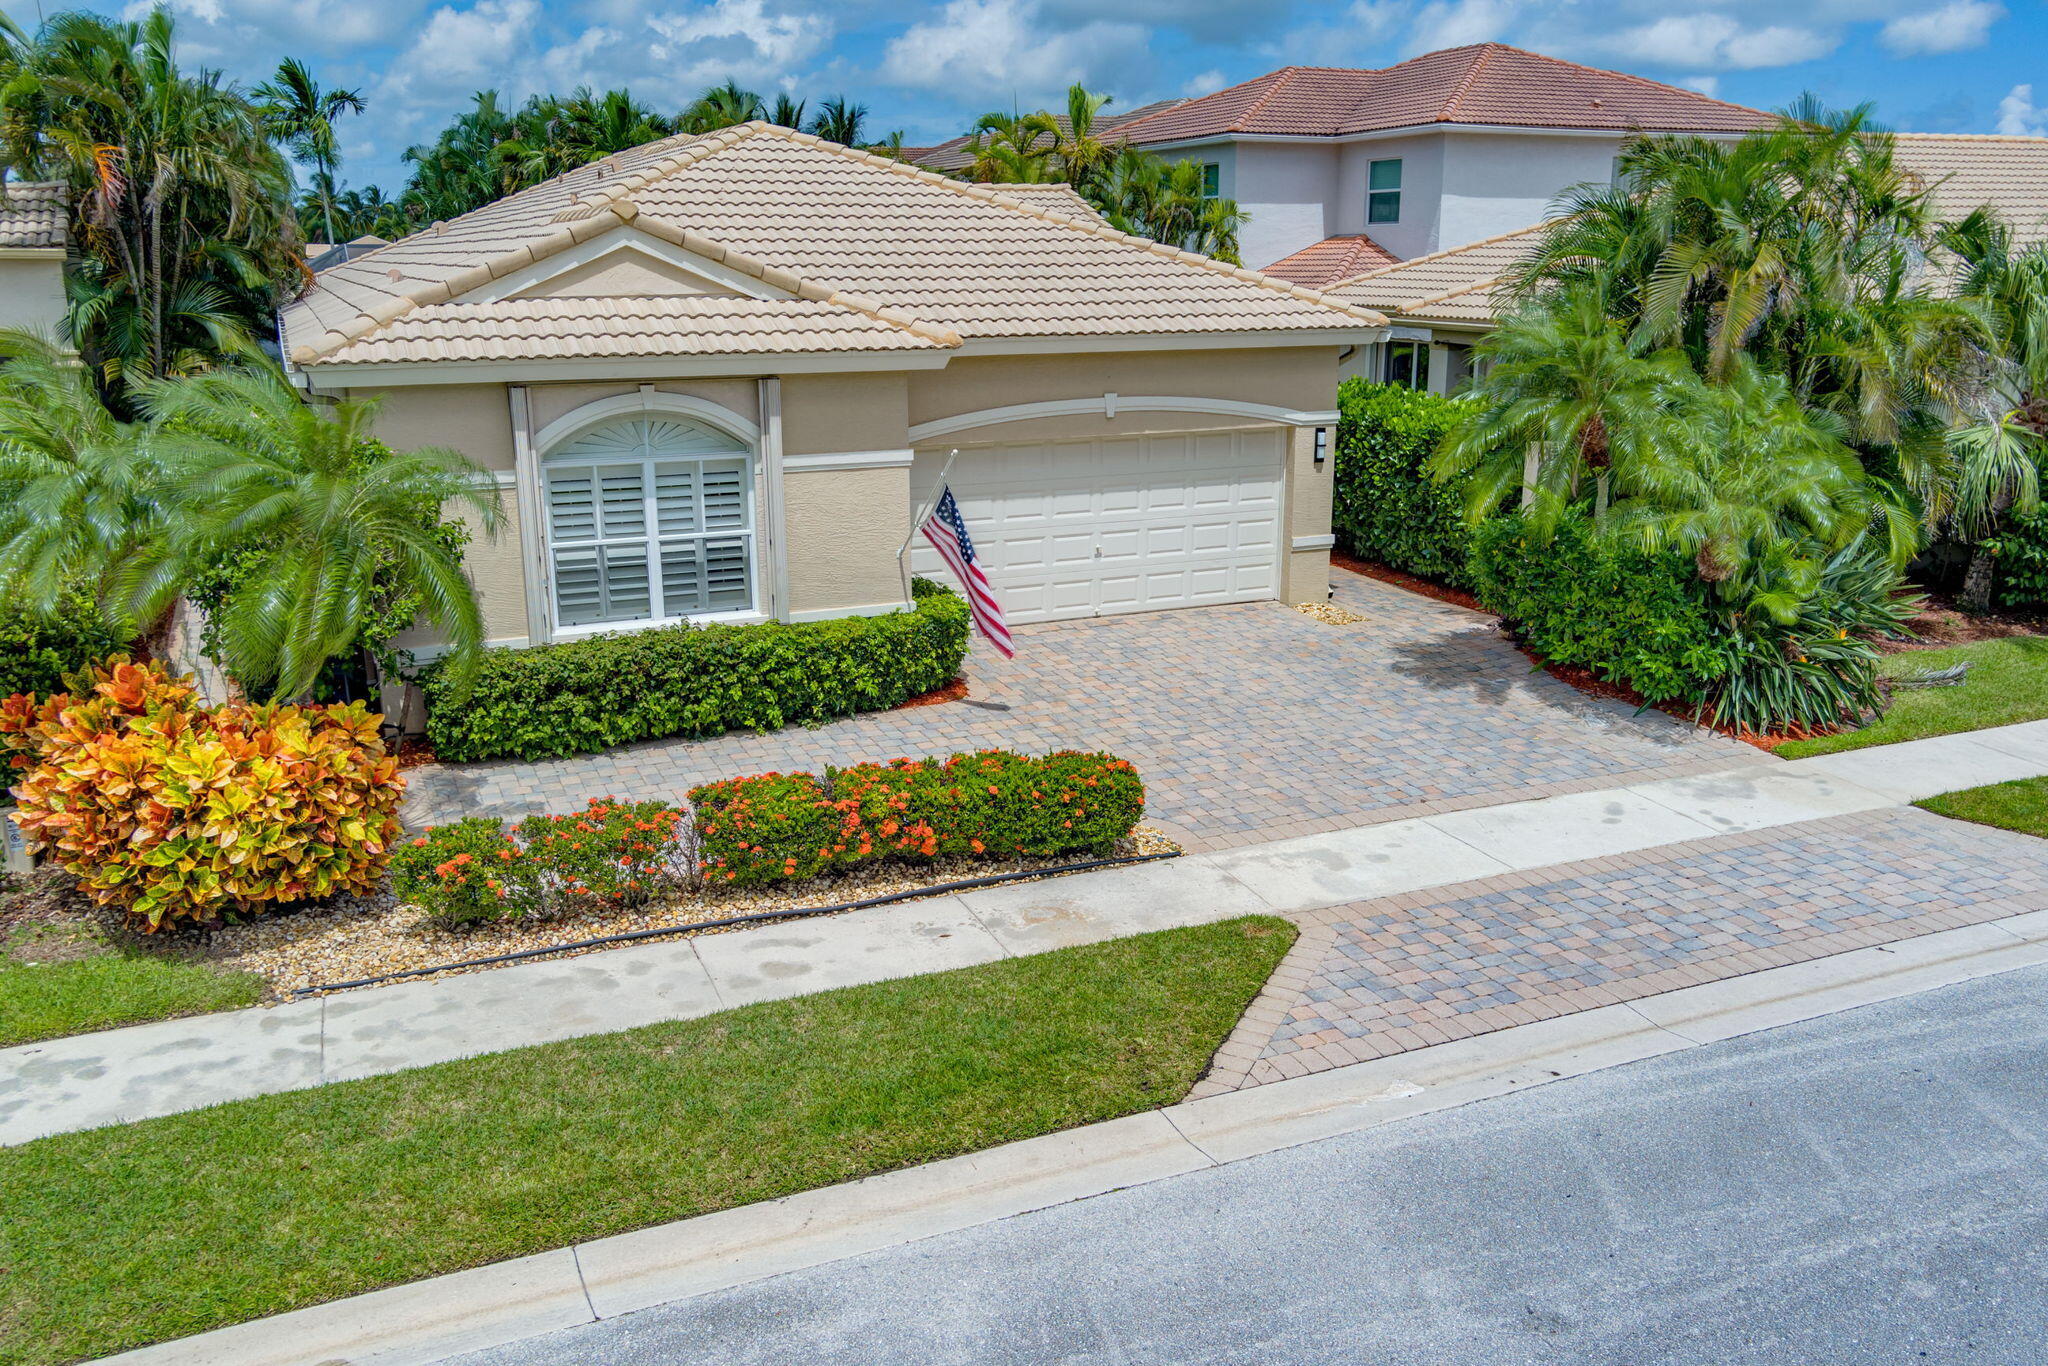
(1387, 507)
(610, 854)
(780, 827)
(585, 696)
(2020, 553)
(37, 649)
(1633, 617)
(179, 814)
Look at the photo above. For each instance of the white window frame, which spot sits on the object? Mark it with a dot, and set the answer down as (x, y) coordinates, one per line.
(1394, 190)
(746, 451)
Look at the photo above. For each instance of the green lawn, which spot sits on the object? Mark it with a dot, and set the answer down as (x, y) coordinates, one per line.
(2007, 683)
(2021, 805)
(45, 994)
(123, 1236)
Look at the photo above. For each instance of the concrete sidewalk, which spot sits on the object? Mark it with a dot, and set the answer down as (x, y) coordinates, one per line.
(147, 1070)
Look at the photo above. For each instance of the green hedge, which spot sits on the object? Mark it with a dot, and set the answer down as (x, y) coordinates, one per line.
(1633, 618)
(586, 696)
(786, 827)
(2022, 551)
(37, 650)
(1387, 509)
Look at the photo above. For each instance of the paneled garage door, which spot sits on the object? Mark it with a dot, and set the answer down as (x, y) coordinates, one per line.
(1131, 524)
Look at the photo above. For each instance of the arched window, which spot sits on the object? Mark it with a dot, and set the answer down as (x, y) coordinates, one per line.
(649, 519)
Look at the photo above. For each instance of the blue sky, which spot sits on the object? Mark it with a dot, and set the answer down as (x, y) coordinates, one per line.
(928, 68)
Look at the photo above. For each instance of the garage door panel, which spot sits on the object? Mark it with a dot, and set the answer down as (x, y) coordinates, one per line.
(1079, 529)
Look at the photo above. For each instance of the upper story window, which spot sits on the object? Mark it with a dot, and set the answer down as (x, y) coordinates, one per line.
(1212, 179)
(650, 519)
(1383, 192)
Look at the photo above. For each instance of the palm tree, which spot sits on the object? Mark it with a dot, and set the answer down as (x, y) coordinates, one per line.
(301, 115)
(1011, 149)
(181, 208)
(787, 112)
(839, 120)
(1574, 386)
(75, 483)
(722, 106)
(336, 520)
(1077, 154)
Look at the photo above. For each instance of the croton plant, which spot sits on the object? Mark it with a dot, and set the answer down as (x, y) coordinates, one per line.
(179, 813)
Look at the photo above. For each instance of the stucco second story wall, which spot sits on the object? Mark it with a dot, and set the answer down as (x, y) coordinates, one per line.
(32, 289)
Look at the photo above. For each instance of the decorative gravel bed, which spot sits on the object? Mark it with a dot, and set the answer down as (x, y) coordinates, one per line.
(1329, 612)
(353, 938)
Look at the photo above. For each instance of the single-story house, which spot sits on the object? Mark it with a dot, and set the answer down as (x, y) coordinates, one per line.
(33, 219)
(717, 375)
(1438, 305)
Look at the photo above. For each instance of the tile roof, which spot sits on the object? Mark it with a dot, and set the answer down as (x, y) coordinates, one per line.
(1455, 286)
(1485, 83)
(860, 233)
(957, 154)
(1332, 259)
(571, 328)
(1058, 196)
(32, 214)
(1965, 170)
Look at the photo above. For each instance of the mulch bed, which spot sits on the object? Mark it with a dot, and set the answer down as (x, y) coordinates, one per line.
(1942, 623)
(955, 691)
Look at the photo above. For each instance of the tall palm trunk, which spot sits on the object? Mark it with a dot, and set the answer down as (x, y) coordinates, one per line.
(1976, 595)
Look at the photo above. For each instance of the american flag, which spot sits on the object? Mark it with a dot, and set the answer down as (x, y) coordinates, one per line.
(947, 532)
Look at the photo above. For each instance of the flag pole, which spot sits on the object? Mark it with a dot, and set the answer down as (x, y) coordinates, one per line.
(917, 522)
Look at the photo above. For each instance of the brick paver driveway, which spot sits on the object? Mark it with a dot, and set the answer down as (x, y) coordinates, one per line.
(1381, 977)
(1249, 723)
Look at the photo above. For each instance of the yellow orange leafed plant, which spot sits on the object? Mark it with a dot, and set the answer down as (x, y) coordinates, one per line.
(178, 813)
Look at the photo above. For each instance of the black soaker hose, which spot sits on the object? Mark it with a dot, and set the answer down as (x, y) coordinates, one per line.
(796, 913)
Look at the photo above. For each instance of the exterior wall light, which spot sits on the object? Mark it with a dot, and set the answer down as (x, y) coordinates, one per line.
(1322, 446)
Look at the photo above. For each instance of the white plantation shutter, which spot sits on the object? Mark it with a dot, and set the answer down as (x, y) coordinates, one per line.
(650, 519)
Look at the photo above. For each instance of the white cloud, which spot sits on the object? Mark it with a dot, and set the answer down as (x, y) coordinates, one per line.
(1454, 23)
(1716, 40)
(460, 50)
(775, 39)
(1706, 85)
(1000, 48)
(2019, 115)
(1205, 83)
(1952, 28)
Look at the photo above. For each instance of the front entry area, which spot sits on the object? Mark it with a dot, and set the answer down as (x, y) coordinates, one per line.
(1122, 524)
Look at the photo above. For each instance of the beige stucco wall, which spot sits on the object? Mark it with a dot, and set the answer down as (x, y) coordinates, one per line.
(32, 292)
(494, 567)
(845, 529)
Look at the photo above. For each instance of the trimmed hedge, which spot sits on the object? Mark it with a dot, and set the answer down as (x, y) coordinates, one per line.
(608, 854)
(37, 650)
(1386, 507)
(1633, 618)
(782, 827)
(586, 696)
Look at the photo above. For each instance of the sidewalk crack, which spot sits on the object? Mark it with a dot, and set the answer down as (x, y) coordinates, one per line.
(1207, 1156)
(583, 1282)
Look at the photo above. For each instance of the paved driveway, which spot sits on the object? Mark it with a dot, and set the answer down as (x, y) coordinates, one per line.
(1249, 723)
(1865, 1189)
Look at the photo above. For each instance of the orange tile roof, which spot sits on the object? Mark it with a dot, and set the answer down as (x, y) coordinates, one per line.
(1485, 83)
(1333, 258)
(859, 234)
(1460, 285)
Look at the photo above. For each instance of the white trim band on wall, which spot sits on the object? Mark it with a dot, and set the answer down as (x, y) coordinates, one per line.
(848, 460)
(646, 399)
(879, 609)
(1113, 405)
(1314, 542)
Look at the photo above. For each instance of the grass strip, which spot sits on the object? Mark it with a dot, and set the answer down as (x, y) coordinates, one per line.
(47, 1000)
(2007, 684)
(122, 1236)
(2020, 805)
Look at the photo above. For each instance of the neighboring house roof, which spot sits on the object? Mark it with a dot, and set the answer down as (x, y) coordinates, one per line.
(1455, 286)
(1966, 170)
(32, 214)
(862, 237)
(1485, 83)
(957, 154)
(1332, 259)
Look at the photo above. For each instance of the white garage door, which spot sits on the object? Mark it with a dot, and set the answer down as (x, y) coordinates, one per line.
(1131, 524)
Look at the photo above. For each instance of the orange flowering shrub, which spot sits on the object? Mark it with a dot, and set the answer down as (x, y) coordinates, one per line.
(776, 827)
(179, 813)
(608, 854)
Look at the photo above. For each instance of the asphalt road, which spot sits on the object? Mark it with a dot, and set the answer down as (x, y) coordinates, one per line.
(1867, 1188)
